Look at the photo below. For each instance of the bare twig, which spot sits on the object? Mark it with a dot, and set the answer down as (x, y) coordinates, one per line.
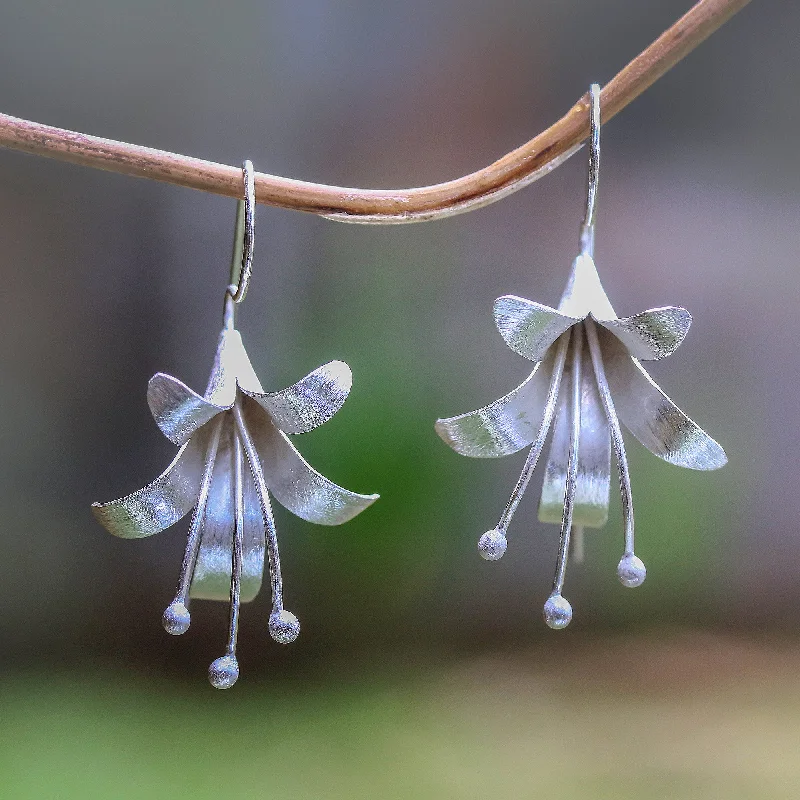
(508, 174)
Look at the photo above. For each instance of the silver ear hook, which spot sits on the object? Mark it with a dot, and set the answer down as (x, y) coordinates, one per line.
(243, 243)
(587, 229)
(244, 237)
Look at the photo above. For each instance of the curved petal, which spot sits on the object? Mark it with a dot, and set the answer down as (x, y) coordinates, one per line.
(311, 401)
(652, 417)
(504, 426)
(161, 503)
(652, 334)
(529, 328)
(212, 572)
(178, 410)
(231, 367)
(594, 456)
(296, 485)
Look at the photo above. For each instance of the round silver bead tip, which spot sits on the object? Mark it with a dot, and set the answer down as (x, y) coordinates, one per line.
(284, 627)
(223, 672)
(557, 612)
(492, 545)
(631, 571)
(176, 619)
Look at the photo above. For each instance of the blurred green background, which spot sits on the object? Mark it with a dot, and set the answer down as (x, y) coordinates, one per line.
(421, 671)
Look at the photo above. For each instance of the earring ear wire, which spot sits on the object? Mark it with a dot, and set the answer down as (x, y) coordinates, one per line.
(593, 179)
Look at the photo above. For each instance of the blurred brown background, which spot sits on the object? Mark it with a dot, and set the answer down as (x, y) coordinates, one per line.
(421, 671)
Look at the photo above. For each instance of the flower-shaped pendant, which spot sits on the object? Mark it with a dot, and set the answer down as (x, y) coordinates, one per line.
(236, 421)
(588, 378)
(232, 523)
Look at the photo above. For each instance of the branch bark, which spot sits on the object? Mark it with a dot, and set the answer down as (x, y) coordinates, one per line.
(384, 206)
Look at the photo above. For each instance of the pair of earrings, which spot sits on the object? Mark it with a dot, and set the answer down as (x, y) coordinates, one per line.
(235, 450)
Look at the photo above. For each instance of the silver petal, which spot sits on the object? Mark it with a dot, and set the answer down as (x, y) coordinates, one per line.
(594, 456)
(161, 503)
(504, 426)
(529, 328)
(178, 410)
(652, 417)
(584, 294)
(652, 334)
(311, 401)
(212, 573)
(231, 367)
(296, 485)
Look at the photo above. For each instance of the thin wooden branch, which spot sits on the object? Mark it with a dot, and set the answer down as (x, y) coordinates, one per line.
(508, 174)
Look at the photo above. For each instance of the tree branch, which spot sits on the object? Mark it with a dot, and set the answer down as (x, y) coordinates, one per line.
(506, 175)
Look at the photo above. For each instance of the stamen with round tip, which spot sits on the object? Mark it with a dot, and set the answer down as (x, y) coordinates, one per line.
(489, 544)
(557, 610)
(631, 570)
(283, 625)
(176, 617)
(492, 544)
(225, 670)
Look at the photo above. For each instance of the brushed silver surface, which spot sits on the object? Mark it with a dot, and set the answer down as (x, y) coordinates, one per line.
(161, 503)
(292, 481)
(311, 401)
(630, 569)
(212, 573)
(232, 526)
(178, 410)
(653, 334)
(537, 445)
(576, 364)
(584, 294)
(504, 426)
(231, 369)
(652, 417)
(593, 478)
(529, 328)
(598, 388)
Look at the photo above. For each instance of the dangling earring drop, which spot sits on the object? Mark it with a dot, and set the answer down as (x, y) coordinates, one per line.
(236, 423)
(586, 380)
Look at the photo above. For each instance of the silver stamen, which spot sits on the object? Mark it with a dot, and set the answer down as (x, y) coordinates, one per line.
(224, 671)
(284, 626)
(176, 617)
(630, 570)
(492, 545)
(557, 610)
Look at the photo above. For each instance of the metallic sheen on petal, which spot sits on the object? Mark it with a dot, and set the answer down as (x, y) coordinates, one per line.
(296, 485)
(594, 456)
(311, 401)
(161, 503)
(584, 294)
(652, 334)
(212, 573)
(529, 328)
(178, 410)
(652, 417)
(231, 367)
(504, 426)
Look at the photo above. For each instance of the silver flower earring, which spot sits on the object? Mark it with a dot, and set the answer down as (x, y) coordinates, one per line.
(233, 422)
(588, 378)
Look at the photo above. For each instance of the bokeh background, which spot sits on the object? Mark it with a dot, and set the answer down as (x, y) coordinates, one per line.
(421, 671)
